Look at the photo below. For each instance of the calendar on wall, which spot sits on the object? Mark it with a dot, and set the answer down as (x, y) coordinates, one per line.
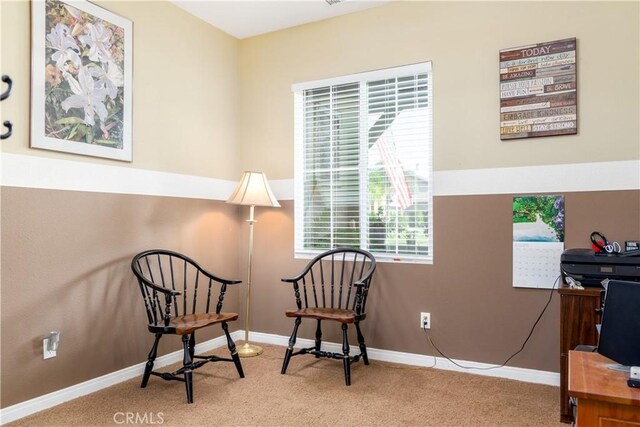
(538, 240)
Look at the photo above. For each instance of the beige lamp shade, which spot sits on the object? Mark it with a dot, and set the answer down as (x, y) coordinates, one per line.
(253, 190)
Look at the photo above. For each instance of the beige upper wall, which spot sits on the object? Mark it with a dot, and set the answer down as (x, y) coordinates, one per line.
(462, 39)
(187, 77)
(185, 86)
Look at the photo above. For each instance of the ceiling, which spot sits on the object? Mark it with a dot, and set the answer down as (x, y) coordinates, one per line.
(246, 18)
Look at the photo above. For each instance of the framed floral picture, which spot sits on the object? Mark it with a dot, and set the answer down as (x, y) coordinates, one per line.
(81, 80)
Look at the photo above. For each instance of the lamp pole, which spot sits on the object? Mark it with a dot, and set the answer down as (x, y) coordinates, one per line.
(247, 349)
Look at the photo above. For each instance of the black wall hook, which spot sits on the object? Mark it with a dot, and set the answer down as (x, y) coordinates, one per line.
(9, 126)
(6, 93)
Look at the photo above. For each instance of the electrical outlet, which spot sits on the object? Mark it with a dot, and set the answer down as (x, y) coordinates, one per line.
(46, 352)
(425, 320)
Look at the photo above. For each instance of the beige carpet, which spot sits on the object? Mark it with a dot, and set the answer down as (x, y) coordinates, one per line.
(312, 393)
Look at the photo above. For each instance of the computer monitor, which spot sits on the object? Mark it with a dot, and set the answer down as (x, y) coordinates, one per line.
(620, 331)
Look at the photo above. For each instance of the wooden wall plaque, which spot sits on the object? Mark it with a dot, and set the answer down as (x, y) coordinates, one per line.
(538, 90)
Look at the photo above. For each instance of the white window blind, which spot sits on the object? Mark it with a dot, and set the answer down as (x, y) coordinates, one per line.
(363, 164)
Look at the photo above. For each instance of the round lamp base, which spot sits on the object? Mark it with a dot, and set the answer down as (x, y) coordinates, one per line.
(249, 350)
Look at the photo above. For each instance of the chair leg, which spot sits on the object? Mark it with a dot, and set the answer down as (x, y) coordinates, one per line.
(192, 345)
(363, 347)
(152, 357)
(232, 349)
(292, 342)
(346, 360)
(318, 338)
(188, 374)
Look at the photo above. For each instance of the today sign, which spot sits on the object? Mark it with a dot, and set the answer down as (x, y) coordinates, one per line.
(534, 81)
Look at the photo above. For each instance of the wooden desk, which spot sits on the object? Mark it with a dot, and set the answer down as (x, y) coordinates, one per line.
(604, 399)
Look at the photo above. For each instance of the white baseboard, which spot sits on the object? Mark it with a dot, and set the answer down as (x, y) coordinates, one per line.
(23, 409)
(519, 374)
(37, 404)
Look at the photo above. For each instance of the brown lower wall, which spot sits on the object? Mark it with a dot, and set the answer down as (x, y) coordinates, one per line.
(65, 266)
(476, 314)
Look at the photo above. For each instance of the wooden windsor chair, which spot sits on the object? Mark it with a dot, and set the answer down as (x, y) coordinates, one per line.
(177, 295)
(335, 285)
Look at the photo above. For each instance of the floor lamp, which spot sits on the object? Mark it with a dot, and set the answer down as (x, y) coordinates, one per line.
(253, 190)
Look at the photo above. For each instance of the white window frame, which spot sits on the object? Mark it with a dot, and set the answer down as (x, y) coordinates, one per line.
(387, 73)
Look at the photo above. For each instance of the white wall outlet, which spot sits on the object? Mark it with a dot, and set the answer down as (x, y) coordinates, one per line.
(46, 353)
(425, 320)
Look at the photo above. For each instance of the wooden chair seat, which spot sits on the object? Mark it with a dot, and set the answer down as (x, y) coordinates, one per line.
(186, 324)
(339, 315)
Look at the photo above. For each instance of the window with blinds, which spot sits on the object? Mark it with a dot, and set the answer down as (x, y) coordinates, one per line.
(363, 164)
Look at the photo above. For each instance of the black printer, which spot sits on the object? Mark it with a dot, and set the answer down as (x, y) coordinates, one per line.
(591, 268)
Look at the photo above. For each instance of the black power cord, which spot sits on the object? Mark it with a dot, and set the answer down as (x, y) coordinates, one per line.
(510, 357)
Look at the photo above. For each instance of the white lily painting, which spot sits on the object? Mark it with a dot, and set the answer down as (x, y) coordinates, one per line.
(82, 102)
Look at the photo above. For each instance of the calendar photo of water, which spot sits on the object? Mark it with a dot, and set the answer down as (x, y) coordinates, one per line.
(536, 231)
(538, 219)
